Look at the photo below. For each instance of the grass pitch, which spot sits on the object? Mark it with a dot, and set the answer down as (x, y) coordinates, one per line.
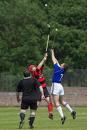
(9, 119)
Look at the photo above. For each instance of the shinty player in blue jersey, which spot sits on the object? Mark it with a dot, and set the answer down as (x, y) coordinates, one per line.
(57, 90)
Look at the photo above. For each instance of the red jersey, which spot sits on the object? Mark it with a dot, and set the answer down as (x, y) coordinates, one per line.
(39, 76)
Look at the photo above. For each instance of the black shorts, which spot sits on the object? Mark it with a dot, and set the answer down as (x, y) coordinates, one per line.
(46, 93)
(26, 103)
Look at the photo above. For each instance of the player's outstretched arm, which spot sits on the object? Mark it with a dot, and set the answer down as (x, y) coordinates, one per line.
(53, 57)
(42, 61)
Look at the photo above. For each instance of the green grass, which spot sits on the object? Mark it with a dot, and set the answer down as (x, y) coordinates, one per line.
(9, 119)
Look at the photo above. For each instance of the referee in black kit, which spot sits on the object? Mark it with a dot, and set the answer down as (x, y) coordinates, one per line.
(32, 92)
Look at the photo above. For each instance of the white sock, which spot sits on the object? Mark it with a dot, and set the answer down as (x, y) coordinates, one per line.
(68, 107)
(59, 109)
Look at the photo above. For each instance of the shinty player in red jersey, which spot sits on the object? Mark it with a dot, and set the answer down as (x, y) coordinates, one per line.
(37, 72)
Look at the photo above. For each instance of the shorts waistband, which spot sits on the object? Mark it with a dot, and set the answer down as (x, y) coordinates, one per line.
(56, 82)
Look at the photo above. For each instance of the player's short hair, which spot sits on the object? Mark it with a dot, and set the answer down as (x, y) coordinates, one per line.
(66, 66)
(30, 67)
(26, 73)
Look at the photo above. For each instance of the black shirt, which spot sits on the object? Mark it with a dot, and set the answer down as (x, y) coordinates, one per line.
(30, 88)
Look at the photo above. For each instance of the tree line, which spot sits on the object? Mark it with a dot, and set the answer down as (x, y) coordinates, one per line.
(24, 30)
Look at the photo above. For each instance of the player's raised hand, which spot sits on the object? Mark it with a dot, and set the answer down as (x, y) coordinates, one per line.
(52, 50)
(45, 56)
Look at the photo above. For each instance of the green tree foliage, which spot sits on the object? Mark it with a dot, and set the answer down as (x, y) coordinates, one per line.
(23, 32)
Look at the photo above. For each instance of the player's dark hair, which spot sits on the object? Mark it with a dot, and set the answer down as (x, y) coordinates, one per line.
(26, 73)
(66, 66)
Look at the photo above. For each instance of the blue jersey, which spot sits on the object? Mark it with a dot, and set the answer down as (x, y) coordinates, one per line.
(57, 74)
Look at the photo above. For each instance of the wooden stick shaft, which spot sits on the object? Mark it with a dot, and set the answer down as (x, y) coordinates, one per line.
(47, 42)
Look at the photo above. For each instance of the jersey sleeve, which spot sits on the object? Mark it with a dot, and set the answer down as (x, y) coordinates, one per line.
(41, 68)
(19, 87)
(56, 67)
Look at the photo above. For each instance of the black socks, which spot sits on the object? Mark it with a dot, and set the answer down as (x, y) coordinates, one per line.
(22, 116)
(31, 121)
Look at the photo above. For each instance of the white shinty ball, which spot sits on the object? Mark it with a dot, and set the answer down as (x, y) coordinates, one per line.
(45, 5)
(56, 29)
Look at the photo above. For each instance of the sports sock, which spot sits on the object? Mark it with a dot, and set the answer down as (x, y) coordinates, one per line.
(59, 109)
(31, 120)
(22, 116)
(50, 107)
(68, 107)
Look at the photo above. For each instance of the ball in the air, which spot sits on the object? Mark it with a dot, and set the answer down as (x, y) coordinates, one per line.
(45, 5)
(56, 29)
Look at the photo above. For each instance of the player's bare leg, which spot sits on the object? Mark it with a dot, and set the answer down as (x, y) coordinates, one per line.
(59, 108)
(65, 104)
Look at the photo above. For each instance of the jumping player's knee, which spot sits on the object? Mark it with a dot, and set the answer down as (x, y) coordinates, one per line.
(64, 103)
(57, 104)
